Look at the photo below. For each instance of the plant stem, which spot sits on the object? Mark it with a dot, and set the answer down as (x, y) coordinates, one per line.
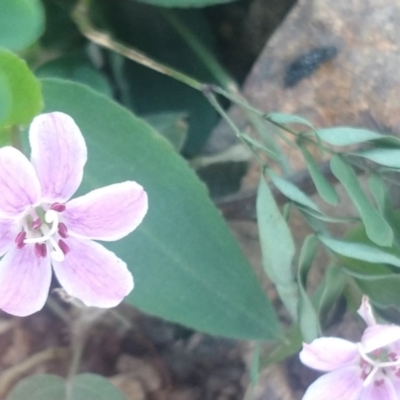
(81, 18)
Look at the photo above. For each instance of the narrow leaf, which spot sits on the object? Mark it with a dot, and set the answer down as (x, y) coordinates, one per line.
(324, 188)
(360, 251)
(308, 318)
(383, 156)
(284, 119)
(345, 136)
(378, 230)
(277, 246)
(291, 191)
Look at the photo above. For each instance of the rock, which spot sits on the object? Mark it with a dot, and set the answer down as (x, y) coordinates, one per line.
(357, 85)
(132, 389)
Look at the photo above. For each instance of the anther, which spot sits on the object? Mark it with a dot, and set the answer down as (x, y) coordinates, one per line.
(40, 249)
(63, 230)
(36, 224)
(51, 217)
(20, 239)
(64, 247)
(58, 207)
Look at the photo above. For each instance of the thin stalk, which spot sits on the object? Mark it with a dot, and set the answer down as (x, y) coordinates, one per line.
(82, 20)
(214, 102)
(202, 52)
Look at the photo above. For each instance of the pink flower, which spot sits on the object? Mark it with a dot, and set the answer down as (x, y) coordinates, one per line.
(368, 370)
(40, 228)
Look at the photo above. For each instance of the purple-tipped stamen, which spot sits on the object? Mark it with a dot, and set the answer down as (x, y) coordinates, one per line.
(41, 249)
(58, 207)
(63, 230)
(64, 247)
(36, 224)
(19, 239)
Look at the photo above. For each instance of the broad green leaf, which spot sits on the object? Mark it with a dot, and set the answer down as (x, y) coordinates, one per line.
(324, 188)
(53, 387)
(291, 191)
(21, 23)
(386, 157)
(186, 264)
(360, 251)
(172, 126)
(76, 67)
(377, 228)
(23, 90)
(185, 3)
(277, 247)
(308, 318)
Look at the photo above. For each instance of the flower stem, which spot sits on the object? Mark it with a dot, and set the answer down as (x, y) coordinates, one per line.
(82, 20)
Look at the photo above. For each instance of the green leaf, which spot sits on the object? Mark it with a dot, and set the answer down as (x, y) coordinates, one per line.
(21, 23)
(187, 266)
(360, 251)
(5, 98)
(185, 3)
(172, 126)
(255, 143)
(378, 230)
(329, 290)
(291, 191)
(78, 68)
(53, 387)
(308, 318)
(24, 96)
(277, 247)
(386, 157)
(285, 119)
(345, 136)
(324, 188)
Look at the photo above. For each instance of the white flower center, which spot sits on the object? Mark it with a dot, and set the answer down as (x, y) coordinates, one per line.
(383, 360)
(44, 230)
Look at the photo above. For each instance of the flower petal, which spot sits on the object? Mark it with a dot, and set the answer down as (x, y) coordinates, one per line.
(342, 384)
(377, 336)
(19, 185)
(365, 312)
(108, 213)
(93, 274)
(380, 388)
(24, 281)
(8, 233)
(328, 354)
(58, 155)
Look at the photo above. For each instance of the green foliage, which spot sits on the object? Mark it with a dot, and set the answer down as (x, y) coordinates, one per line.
(277, 247)
(187, 266)
(185, 3)
(21, 96)
(76, 67)
(378, 229)
(324, 188)
(21, 23)
(387, 157)
(308, 318)
(52, 387)
(148, 92)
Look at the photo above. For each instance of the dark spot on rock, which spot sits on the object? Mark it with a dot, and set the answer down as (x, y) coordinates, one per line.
(306, 64)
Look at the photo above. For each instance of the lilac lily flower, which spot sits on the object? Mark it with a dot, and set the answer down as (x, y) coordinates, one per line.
(41, 227)
(368, 370)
